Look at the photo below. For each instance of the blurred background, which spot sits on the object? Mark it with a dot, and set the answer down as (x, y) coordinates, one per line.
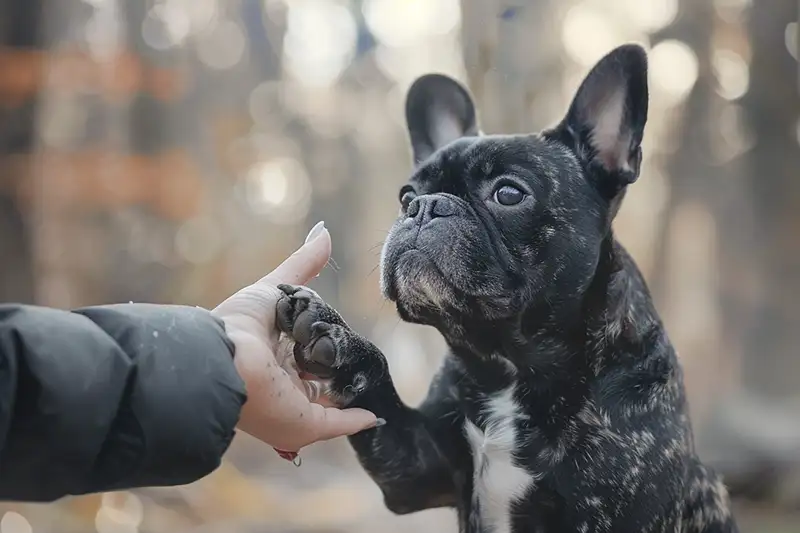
(175, 150)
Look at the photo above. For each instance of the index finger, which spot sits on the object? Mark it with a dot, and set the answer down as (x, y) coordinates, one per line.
(304, 264)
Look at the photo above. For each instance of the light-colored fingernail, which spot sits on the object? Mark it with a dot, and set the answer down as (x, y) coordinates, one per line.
(315, 232)
(380, 422)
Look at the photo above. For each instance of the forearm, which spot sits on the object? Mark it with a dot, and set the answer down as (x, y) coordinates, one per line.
(407, 457)
(112, 397)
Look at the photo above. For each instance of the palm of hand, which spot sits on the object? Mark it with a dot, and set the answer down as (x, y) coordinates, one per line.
(279, 411)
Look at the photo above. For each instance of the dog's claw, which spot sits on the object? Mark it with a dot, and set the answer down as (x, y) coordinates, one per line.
(288, 290)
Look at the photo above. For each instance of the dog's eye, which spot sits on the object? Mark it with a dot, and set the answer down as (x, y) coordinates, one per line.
(406, 195)
(508, 195)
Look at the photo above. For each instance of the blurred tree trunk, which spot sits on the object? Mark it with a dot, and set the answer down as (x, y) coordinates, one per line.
(513, 57)
(708, 211)
(753, 437)
(688, 167)
(20, 27)
(772, 346)
(754, 197)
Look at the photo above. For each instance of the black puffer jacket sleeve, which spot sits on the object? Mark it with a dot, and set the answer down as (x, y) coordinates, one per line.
(112, 397)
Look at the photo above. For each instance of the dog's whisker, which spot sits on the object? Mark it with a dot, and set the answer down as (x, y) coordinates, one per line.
(332, 264)
(376, 246)
(373, 269)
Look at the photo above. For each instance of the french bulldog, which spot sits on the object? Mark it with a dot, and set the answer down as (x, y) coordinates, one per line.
(560, 406)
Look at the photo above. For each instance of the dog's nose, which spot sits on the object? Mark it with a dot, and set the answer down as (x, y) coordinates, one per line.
(425, 208)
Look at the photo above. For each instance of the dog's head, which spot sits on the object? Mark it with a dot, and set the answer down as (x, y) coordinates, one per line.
(493, 225)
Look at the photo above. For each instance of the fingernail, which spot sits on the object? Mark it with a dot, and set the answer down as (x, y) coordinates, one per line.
(380, 422)
(315, 232)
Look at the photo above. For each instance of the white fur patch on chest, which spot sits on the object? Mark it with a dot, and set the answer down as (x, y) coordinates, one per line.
(498, 480)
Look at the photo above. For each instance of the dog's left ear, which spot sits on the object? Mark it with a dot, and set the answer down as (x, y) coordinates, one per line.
(607, 117)
(439, 110)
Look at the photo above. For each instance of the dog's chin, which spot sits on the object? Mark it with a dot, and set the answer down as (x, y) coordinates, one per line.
(423, 294)
(415, 284)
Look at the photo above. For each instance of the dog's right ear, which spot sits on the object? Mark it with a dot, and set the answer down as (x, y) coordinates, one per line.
(605, 123)
(439, 110)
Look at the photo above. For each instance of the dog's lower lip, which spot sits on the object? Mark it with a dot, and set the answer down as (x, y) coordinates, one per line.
(415, 255)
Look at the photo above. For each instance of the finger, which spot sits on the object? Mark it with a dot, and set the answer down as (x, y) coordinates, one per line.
(325, 401)
(318, 392)
(332, 422)
(260, 297)
(299, 422)
(308, 261)
(314, 390)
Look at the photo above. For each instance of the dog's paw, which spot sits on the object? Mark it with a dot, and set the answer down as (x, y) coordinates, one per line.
(325, 346)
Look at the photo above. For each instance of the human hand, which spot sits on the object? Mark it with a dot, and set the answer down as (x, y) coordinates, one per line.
(280, 408)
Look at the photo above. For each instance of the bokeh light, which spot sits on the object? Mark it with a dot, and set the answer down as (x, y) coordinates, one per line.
(734, 137)
(14, 523)
(731, 11)
(278, 189)
(588, 33)
(202, 14)
(103, 30)
(415, 37)
(119, 512)
(652, 15)
(403, 65)
(732, 74)
(223, 46)
(320, 41)
(402, 23)
(674, 69)
(790, 38)
(797, 130)
(165, 26)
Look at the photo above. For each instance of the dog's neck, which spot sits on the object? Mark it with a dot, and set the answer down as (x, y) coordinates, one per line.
(574, 341)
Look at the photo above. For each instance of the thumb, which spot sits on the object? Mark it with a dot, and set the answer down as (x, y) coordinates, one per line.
(307, 262)
(332, 422)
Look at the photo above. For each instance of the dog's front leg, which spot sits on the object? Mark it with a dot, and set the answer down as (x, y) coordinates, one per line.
(417, 456)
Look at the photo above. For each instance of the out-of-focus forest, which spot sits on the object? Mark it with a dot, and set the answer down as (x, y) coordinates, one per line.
(175, 150)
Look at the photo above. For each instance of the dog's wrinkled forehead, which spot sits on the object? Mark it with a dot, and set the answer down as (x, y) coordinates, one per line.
(464, 164)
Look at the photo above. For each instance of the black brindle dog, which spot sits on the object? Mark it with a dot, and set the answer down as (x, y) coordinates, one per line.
(560, 406)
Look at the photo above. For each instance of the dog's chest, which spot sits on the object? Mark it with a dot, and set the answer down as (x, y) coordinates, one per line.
(498, 480)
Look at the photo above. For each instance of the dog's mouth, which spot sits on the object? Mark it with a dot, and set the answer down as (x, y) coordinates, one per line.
(445, 267)
(413, 278)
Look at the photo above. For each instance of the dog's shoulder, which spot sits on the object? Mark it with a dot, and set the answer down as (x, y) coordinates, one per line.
(628, 466)
(707, 508)
(635, 366)
(637, 396)
(635, 446)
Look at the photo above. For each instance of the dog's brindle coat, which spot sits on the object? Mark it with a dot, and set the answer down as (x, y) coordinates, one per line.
(560, 406)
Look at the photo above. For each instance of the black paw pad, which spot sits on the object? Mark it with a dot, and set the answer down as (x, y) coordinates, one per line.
(319, 358)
